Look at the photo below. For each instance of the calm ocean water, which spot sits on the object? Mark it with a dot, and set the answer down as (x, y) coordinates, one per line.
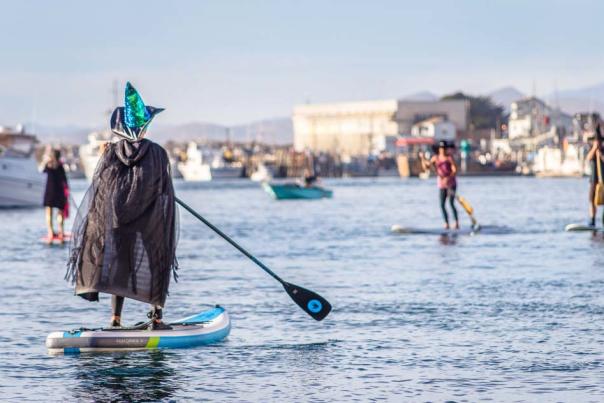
(517, 316)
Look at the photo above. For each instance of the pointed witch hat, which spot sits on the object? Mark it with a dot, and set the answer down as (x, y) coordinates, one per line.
(131, 120)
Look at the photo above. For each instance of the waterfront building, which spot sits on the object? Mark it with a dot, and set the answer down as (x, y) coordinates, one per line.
(347, 128)
(368, 127)
(437, 128)
(456, 111)
(531, 116)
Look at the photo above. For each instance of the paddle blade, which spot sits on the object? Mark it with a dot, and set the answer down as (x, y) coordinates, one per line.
(311, 302)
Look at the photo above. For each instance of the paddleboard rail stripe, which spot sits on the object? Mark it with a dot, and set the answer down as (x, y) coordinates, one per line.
(153, 342)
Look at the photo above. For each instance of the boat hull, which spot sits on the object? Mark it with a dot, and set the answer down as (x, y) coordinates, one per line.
(21, 185)
(195, 172)
(289, 191)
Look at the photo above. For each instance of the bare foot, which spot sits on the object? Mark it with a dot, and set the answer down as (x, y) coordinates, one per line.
(446, 225)
(457, 225)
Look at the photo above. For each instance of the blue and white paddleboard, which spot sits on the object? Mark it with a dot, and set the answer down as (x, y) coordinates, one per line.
(206, 327)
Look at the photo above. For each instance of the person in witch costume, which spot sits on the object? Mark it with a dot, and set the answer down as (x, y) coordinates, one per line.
(124, 234)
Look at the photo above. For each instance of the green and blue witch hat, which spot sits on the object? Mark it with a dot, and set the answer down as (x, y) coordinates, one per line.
(131, 120)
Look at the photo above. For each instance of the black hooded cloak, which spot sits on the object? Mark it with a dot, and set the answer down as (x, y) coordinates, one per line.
(125, 232)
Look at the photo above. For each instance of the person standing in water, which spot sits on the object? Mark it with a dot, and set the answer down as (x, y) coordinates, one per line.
(596, 151)
(446, 170)
(55, 193)
(124, 237)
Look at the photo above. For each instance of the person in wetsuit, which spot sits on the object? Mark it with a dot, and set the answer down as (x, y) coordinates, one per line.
(446, 170)
(55, 193)
(596, 151)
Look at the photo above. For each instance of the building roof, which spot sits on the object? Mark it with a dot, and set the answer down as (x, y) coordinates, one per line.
(433, 120)
(414, 141)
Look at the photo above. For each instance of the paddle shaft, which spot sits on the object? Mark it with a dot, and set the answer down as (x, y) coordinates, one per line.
(467, 207)
(229, 240)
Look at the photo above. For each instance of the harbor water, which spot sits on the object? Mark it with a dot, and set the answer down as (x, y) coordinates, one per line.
(517, 315)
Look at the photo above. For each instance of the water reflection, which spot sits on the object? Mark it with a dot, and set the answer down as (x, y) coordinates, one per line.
(448, 239)
(133, 376)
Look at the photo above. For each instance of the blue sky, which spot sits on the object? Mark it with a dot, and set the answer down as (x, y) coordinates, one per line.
(235, 61)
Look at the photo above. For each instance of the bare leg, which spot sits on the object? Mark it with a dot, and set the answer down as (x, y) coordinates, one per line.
(60, 223)
(49, 227)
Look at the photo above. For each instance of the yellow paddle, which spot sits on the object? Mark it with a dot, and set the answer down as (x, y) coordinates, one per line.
(469, 209)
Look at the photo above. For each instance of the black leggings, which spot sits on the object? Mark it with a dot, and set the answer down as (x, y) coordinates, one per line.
(117, 304)
(450, 193)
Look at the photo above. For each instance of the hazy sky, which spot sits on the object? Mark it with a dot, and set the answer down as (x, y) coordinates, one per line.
(235, 61)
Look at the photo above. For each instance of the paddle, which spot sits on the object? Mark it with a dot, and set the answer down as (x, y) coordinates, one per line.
(310, 302)
(469, 209)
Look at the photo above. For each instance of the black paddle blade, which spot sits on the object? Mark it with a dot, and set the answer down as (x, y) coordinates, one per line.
(311, 302)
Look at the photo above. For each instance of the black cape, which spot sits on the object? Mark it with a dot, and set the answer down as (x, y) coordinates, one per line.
(125, 232)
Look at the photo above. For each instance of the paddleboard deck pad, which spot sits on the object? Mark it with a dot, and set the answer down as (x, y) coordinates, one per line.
(582, 228)
(56, 238)
(207, 327)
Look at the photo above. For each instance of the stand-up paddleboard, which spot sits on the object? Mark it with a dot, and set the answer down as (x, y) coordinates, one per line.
(582, 228)
(399, 229)
(204, 328)
(56, 239)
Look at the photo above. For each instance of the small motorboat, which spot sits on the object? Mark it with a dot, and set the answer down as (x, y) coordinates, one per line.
(292, 190)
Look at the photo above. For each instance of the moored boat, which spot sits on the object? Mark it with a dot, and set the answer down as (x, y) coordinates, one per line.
(21, 184)
(285, 191)
(90, 153)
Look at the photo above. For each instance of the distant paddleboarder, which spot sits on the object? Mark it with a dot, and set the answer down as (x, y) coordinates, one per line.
(595, 153)
(309, 178)
(446, 170)
(55, 194)
(124, 237)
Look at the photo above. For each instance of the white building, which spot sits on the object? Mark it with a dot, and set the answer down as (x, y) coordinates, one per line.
(531, 116)
(363, 128)
(456, 111)
(347, 128)
(437, 128)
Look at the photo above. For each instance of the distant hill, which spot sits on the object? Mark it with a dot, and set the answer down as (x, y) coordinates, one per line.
(585, 99)
(505, 96)
(269, 131)
(278, 131)
(60, 134)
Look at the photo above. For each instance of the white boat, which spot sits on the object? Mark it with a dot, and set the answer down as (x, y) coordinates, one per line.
(220, 169)
(262, 174)
(90, 153)
(193, 168)
(555, 162)
(21, 184)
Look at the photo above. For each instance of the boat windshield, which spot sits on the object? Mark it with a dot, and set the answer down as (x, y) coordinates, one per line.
(16, 145)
